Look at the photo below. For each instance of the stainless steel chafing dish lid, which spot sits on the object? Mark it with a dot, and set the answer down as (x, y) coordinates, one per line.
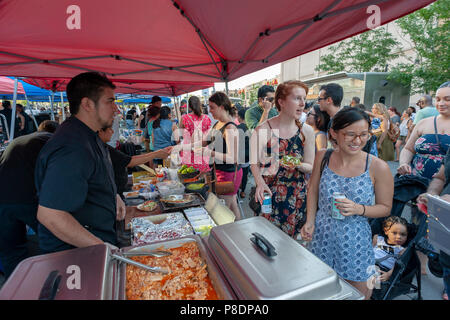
(273, 266)
(84, 274)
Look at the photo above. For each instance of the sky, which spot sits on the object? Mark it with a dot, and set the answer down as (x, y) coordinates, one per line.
(266, 73)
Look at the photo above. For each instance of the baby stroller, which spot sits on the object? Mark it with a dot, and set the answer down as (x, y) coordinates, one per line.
(407, 266)
(406, 190)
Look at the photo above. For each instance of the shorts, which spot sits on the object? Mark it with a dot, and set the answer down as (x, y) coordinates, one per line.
(223, 176)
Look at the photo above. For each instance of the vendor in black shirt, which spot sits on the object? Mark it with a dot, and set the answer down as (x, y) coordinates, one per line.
(122, 161)
(74, 175)
(18, 200)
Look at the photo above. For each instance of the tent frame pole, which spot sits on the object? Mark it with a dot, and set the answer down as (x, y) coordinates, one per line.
(13, 114)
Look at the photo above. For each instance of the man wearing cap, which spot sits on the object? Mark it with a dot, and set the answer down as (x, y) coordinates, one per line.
(78, 202)
(427, 109)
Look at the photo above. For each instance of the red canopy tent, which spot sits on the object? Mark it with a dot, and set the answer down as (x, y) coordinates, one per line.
(135, 87)
(7, 86)
(192, 43)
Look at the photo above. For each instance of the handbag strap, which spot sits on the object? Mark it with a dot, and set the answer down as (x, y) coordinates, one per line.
(436, 133)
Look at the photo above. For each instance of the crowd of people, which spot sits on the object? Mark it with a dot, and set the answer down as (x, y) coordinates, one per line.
(341, 149)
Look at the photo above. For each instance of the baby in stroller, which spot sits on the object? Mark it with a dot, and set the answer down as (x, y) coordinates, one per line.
(389, 247)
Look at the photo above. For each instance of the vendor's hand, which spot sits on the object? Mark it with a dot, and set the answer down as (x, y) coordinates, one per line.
(348, 208)
(404, 169)
(121, 208)
(163, 153)
(307, 230)
(176, 149)
(259, 192)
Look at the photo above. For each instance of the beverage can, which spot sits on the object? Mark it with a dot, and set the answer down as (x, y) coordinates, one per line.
(335, 211)
(266, 207)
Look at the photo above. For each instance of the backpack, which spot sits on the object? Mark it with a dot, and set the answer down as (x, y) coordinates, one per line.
(393, 132)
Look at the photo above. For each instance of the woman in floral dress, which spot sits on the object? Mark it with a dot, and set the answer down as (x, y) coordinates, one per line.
(429, 141)
(195, 125)
(279, 136)
(427, 146)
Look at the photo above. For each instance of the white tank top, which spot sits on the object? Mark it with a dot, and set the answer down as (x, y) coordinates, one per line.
(382, 249)
(404, 128)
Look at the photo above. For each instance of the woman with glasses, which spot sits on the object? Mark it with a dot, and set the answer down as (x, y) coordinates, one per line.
(341, 236)
(281, 175)
(318, 120)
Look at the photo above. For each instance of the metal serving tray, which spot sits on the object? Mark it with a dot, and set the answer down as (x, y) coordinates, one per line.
(217, 279)
(85, 274)
(278, 269)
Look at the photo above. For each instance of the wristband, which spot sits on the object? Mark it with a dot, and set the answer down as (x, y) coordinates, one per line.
(364, 211)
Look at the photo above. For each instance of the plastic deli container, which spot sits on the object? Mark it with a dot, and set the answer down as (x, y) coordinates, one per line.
(170, 187)
(200, 220)
(262, 262)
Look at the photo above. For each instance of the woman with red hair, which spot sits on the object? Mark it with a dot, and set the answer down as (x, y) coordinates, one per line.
(291, 148)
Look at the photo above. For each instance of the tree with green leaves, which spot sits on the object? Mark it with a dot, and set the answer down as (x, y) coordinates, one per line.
(366, 52)
(429, 31)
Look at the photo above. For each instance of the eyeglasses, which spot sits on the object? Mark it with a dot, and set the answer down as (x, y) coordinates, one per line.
(350, 136)
(319, 99)
(270, 99)
(311, 114)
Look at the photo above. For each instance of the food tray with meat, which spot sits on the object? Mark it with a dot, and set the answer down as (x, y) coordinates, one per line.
(193, 275)
(176, 203)
(159, 227)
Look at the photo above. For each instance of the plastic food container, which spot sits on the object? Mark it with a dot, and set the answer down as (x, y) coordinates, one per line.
(170, 187)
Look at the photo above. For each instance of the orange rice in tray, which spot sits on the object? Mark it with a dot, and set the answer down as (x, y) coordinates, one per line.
(187, 280)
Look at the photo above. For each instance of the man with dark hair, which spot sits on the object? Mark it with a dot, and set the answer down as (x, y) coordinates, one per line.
(263, 109)
(74, 176)
(18, 199)
(330, 98)
(121, 161)
(7, 112)
(130, 118)
(156, 101)
(48, 125)
(26, 125)
(355, 102)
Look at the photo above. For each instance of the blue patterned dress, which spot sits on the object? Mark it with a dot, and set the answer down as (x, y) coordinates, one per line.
(345, 245)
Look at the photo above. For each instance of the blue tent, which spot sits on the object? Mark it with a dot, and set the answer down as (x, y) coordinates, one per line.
(34, 93)
(132, 98)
